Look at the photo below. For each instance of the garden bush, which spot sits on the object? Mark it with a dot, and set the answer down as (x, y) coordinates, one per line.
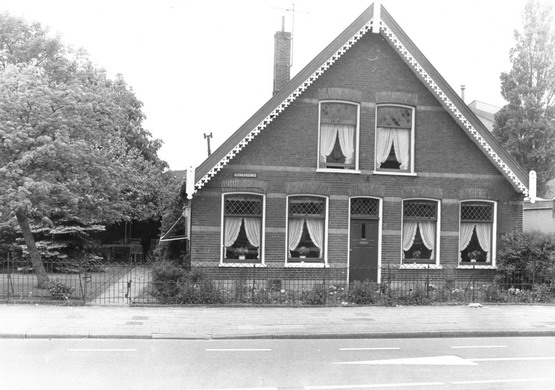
(59, 290)
(364, 293)
(172, 283)
(526, 259)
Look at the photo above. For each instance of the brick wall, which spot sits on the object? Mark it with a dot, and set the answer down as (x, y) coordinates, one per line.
(449, 165)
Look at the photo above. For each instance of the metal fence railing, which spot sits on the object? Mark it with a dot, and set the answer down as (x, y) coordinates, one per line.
(272, 284)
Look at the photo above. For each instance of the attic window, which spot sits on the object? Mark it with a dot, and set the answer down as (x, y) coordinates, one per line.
(338, 132)
(394, 138)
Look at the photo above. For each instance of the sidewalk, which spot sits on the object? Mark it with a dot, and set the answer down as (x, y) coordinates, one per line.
(27, 321)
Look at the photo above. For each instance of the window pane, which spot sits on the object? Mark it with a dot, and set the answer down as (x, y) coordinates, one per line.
(476, 229)
(365, 207)
(420, 209)
(419, 230)
(338, 124)
(395, 117)
(243, 205)
(476, 212)
(242, 228)
(338, 113)
(306, 228)
(307, 206)
(393, 148)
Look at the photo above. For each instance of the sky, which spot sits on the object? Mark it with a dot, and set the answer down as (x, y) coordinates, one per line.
(203, 67)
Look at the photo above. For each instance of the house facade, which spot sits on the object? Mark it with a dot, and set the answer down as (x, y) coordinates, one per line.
(365, 159)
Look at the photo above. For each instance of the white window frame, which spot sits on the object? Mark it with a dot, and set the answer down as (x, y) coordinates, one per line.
(357, 138)
(395, 172)
(493, 251)
(436, 263)
(261, 252)
(309, 264)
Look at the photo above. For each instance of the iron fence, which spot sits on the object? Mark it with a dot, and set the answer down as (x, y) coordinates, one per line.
(270, 284)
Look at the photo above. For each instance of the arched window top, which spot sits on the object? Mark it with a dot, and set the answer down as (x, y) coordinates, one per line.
(476, 211)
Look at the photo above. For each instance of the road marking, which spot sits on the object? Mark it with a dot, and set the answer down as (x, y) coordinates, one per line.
(375, 385)
(503, 381)
(513, 359)
(238, 350)
(368, 349)
(246, 388)
(102, 350)
(433, 360)
(478, 346)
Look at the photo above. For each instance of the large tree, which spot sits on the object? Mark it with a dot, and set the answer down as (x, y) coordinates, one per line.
(72, 144)
(526, 125)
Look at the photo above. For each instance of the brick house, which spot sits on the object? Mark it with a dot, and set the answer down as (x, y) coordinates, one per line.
(366, 158)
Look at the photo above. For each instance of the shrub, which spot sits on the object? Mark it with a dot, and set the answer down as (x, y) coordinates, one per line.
(59, 290)
(414, 296)
(166, 277)
(364, 293)
(315, 296)
(203, 291)
(526, 259)
(174, 284)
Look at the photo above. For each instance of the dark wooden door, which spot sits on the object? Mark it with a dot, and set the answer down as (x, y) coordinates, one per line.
(364, 250)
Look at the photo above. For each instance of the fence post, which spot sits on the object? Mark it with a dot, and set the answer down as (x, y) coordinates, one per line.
(428, 281)
(473, 280)
(324, 283)
(10, 281)
(533, 281)
(86, 279)
(128, 293)
(253, 282)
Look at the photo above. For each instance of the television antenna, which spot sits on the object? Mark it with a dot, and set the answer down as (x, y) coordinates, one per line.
(292, 12)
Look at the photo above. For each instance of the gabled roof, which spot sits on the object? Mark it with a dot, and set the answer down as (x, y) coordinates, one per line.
(416, 61)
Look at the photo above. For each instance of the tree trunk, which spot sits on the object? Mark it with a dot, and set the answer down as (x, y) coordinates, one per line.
(36, 260)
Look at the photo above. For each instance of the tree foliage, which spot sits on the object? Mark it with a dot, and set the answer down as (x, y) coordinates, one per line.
(526, 125)
(172, 208)
(527, 258)
(72, 144)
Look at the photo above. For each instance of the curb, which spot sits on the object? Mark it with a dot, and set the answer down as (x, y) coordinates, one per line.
(382, 335)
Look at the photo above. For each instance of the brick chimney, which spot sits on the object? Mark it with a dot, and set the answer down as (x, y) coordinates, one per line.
(282, 58)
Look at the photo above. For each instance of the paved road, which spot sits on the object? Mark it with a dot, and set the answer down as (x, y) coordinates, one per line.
(498, 363)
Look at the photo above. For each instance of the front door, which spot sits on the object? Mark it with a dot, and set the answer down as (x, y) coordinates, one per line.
(364, 250)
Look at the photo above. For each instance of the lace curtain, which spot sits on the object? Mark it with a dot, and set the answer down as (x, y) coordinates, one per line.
(315, 230)
(233, 227)
(295, 232)
(400, 139)
(329, 133)
(483, 232)
(252, 228)
(427, 233)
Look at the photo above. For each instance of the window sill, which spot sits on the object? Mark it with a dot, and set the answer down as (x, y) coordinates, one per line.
(421, 266)
(302, 264)
(242, 265)
(476, 266)
(393, 173)
(332, 170)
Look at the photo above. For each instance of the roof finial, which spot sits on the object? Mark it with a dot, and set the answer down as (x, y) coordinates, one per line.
(377, 17)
